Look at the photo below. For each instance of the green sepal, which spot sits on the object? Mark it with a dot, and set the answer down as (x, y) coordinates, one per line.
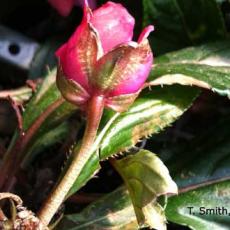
(70, 89)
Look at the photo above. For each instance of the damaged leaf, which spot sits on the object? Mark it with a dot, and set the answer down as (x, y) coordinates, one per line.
(146, 178)
(112, 211)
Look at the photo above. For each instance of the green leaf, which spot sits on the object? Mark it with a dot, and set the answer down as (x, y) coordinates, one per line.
(151, 113)
(202, 199)
(19, 95)
(197, 167)
(112, 211)
(146, 178)
(55, 135)
(46, 95)
(50, 131)
(180, 23)
(206, 66)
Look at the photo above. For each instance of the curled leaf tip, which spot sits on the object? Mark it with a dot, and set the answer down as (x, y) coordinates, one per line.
(145, 33)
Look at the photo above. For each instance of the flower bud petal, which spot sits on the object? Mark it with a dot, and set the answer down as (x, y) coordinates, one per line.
(114, 25)
(80, 53)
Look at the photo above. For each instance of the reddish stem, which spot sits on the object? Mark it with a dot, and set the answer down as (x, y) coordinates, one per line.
(95, 109)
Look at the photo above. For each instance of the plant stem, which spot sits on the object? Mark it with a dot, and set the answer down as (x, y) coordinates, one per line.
(94, 110)
(13, 156)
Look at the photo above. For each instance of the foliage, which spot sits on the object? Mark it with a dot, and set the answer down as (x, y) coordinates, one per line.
(193, 54)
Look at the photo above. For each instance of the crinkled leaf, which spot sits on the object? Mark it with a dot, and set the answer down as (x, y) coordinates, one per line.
(153, 216)
(181, 23)
(113, 211)
(151, 113)
(206, 66)
(146, 178)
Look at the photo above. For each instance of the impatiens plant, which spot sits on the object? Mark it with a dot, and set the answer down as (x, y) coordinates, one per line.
(97, 70)
(100, 105)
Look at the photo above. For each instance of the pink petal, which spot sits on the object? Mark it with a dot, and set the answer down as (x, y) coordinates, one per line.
(79, 54)
(62, 6)
(114, 25)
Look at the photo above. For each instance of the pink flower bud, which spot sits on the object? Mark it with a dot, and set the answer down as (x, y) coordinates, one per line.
(114, 25)
(100, 58)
